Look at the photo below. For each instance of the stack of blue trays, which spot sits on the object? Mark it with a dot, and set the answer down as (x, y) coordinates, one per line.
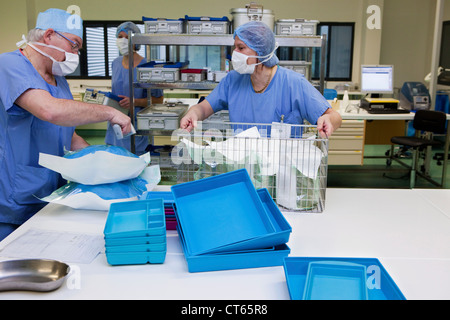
(225, 223)
(135, 232)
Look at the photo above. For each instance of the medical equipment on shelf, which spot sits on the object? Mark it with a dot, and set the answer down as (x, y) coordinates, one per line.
(104, 98)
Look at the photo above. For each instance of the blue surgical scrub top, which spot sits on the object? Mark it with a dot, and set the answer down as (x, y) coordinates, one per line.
(289, 94)
(23, 136)
(121, 86)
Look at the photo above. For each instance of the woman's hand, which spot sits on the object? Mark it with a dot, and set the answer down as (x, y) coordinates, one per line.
(329, 122)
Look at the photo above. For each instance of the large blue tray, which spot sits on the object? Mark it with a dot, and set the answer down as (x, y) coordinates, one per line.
(141, 218)
(257, 258)
(220, 211)
(380, 285)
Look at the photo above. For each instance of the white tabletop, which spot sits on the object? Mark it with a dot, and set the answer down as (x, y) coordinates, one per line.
(407, 230)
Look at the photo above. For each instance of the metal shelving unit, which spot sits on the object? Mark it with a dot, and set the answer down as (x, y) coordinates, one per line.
(208, 40)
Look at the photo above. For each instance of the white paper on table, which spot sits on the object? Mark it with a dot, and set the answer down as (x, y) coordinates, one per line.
(96, 168)
(69, 247)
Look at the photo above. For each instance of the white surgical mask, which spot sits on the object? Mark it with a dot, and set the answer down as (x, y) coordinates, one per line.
(122, 44)
(59, 68)
(239, 61)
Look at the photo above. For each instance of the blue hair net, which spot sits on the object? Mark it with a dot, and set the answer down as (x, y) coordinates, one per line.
(260, 38)
(127, 27)
(61, 21)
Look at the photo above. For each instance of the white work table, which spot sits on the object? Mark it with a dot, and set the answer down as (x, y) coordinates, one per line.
(407, 230)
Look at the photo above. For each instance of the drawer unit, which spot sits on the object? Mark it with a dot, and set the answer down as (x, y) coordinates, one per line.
(346, 145)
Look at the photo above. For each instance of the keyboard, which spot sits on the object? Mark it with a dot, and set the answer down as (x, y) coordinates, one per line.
(387, 111)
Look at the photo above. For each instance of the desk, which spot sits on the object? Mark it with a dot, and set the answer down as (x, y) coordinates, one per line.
(407, 230)
(364, 115)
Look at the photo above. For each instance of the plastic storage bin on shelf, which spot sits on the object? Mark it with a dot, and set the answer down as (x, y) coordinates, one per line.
(207, 25)
(225, 223)
(162, 25)
(135, 232)
(159, 71)
(329, 278)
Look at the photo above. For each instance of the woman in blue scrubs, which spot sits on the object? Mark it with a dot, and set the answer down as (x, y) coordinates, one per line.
(260, 91)
(38, 114)
(121, 87)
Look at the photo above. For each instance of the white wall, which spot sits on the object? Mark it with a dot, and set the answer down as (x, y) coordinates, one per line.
(405, 37)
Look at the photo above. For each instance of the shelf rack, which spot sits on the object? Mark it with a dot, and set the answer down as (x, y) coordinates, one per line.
(208, 40)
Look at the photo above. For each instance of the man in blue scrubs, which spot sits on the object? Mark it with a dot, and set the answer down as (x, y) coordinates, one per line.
(260, 91)
(38, 114)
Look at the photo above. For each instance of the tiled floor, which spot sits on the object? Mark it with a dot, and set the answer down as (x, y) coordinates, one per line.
(373, 174)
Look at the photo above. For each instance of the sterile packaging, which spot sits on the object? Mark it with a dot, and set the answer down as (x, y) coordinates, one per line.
(101, 196)
(96, 164)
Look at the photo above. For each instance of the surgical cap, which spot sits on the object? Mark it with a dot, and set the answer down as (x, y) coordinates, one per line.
(260, 38)
(61, 21)
(127, 27)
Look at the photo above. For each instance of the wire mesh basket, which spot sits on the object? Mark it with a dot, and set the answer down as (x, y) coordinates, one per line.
(290, 161)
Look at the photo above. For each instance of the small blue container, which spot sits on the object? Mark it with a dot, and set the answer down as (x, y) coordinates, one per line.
(156, 247)
(335, 280)
(141, 218)
(167, 196)
(127, 258)
(380, 285)
(135, 240)
(222, 212)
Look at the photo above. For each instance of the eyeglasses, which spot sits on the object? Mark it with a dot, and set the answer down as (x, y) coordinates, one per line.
(74, 45)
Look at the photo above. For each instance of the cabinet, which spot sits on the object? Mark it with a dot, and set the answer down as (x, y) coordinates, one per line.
(346, 145)
(208, 40)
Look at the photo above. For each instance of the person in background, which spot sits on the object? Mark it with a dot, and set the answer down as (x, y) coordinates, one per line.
(38, 114)
(260, 91)
(121, 86)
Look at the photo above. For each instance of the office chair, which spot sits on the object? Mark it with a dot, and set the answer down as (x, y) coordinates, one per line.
(425, 123)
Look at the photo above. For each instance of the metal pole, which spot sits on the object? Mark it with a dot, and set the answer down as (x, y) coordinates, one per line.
(131, 80)
(436, 50)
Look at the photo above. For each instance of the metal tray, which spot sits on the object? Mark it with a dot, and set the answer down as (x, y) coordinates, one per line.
(32, 275)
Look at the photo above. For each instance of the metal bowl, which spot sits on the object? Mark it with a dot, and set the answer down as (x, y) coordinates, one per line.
(32, 275)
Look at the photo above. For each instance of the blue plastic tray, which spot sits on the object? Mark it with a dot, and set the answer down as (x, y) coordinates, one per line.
(135, 240)
(278, 237)
(141, 218)
(220, 211)
(167, 196)
(126, 258)
(335, 280)
(235, 260)
(156, 247)
(380, 285)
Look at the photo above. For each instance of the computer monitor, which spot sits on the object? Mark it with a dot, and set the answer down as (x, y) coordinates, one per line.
(376, 80)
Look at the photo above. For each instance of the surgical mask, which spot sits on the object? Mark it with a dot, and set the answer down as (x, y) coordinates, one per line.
(122, 44)
(239, 61)
(59, 68)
